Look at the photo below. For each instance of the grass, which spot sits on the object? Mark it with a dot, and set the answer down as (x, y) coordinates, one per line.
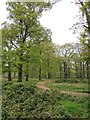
(71, 80)
(25, 100)
(75, 108)
(73, 87)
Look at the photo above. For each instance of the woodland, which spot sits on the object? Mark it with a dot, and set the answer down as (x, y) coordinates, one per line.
(42, 80)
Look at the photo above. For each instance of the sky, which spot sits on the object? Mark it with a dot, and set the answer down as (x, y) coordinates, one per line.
(59, 19)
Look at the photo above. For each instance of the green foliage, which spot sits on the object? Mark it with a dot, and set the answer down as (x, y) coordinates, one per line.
(26, 101)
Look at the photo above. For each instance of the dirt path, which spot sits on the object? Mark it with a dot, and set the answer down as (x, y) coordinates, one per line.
(43, 86)
(75, 93)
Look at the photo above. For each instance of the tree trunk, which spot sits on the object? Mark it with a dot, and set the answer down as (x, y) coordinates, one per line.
(88, 59)
(88, 69)
(20, 66)
(76, 69)
(14, 74)
(60, 70)
(81, 70)
(68, 72)
(86, 11)
(65, 70)
(48, 72)
(9, 76)
(45, 75)
(9, 71)
(40, 73)
(49, 76)
(20, 72)
(83, 67)
(27, 75)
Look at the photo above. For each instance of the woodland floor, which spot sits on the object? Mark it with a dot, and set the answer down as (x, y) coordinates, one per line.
(43, 86)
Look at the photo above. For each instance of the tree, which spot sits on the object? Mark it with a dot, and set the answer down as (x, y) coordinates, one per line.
(25, 27)
(66, 53)
(7, 51)
(85, 10)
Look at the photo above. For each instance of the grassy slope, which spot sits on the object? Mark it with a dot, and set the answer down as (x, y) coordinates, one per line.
(24, 100)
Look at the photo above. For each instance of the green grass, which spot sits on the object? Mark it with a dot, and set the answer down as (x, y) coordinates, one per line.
(76, 109)
(71, 80)
(25, 100)
(32, 81)
(73, 87)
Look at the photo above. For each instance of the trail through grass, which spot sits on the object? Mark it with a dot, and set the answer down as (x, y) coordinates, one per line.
(26, 101)
(73, 87)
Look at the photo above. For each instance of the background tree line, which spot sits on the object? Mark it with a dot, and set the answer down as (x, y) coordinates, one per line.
(28, 50)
